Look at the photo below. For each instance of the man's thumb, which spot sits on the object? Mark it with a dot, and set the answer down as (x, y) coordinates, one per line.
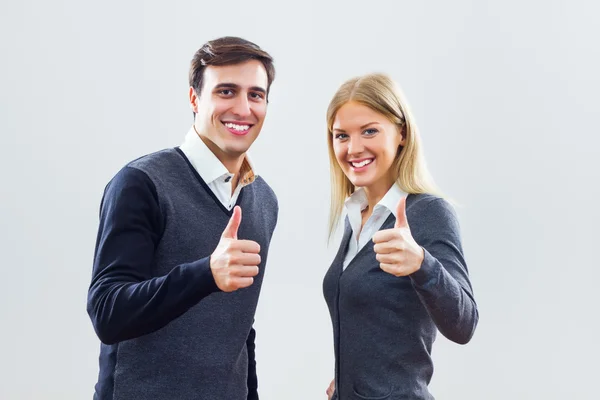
(401, 220)
(231, 229)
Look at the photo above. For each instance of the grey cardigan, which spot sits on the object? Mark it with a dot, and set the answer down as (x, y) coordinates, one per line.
(384, 326)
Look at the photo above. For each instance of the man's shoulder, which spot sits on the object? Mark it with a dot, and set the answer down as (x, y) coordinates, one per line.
(263, 197)
(146, 171)
(264, 189)
(156, 160)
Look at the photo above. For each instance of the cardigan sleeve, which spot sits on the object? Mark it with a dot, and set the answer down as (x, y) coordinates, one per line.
(124, 300)
(442, 282)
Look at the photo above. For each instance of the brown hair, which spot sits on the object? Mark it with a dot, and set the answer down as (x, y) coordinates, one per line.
(228, 50)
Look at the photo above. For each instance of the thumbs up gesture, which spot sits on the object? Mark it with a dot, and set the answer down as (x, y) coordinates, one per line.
(396, 250)
(234, 263)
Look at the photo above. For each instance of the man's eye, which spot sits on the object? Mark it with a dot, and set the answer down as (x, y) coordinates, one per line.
(257, 96)
(226, 92)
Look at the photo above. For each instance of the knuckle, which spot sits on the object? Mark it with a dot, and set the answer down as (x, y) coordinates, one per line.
(227, 283)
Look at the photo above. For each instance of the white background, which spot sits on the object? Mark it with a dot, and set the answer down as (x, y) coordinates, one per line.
(505, 94)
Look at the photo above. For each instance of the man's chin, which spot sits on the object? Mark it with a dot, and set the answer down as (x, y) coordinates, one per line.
(234, 151)
(239, 146)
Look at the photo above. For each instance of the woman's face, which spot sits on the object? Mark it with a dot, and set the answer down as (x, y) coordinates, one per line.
(365, 144)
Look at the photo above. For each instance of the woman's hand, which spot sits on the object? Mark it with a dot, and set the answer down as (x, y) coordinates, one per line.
(330, 390)
(396, 250)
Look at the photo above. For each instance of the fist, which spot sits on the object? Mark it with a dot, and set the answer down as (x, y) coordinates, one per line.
(396, 250)
(234, 263)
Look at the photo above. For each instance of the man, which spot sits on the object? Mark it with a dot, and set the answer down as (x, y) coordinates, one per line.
(178, 268)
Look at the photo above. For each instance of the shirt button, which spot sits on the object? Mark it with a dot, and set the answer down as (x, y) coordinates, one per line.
(227, 179)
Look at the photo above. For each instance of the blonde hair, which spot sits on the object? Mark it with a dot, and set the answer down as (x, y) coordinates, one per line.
(380, 93)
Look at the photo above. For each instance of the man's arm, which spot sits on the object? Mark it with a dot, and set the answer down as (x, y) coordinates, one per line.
(124, 300)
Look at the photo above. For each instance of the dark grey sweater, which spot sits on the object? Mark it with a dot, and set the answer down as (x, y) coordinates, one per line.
(384, 326)
(168, 332)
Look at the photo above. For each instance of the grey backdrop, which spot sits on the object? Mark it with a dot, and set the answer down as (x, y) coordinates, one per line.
(505, 94)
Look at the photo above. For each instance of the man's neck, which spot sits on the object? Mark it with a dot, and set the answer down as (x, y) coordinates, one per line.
(231, 163)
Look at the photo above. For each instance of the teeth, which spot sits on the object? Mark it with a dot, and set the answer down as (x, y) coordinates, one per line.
(237, 127)
(362, 163)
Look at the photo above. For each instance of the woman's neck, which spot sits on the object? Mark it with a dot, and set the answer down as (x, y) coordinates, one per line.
(375, 193)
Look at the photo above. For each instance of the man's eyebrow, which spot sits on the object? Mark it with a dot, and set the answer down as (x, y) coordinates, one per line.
(258, 89)
(226, 85)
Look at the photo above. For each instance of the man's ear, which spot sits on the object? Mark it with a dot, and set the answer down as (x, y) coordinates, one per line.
(193, 100)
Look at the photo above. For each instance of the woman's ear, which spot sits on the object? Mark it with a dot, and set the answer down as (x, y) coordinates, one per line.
(402, 130)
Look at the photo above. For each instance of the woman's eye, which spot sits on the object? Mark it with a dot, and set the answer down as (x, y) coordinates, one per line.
(341, 136)
(370, 132)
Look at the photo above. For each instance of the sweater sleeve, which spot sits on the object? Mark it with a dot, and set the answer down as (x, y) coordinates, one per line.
(124, 299)
(252, 377)
(442, 282)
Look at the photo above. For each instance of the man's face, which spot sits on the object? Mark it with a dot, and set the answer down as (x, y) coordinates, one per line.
(231, 108)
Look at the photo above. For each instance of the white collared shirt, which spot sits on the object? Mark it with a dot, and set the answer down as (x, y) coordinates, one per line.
(355, 204)
(213, 172)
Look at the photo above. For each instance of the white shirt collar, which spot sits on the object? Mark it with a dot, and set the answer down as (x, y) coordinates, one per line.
(390, 200)
(357, 202)
(204, 160)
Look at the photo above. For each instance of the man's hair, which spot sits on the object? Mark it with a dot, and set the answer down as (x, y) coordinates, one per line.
(228, 50)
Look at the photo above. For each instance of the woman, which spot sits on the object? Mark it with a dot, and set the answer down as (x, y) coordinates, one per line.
(400, 274)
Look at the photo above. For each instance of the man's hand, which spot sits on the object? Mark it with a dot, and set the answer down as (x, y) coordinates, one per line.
(234, 263)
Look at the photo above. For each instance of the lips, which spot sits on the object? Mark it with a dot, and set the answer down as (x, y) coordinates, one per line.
(238, 128)
(362, 164)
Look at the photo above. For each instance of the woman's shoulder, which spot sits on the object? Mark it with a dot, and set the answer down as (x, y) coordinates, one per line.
(420, 200)
(430, 207)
